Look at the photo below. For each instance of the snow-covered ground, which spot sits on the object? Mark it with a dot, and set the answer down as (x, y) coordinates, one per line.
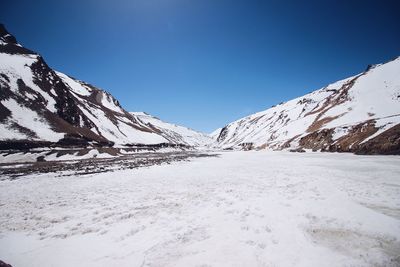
(240, 209)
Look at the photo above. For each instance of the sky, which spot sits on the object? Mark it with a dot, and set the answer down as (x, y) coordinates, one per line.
(205, 63)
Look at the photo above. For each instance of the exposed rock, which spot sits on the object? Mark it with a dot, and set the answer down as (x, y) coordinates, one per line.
(387, 143)
(3, 264)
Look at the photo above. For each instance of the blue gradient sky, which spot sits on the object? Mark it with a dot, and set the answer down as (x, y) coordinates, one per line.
(205, 63)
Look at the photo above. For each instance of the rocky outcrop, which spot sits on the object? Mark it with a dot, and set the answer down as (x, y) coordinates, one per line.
(387, 143)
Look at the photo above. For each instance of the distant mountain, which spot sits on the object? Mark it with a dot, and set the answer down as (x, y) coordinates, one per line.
(40, 106)
(174, 133)
(359, 114)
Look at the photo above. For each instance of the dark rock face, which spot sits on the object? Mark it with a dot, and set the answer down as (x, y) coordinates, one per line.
(387, 143)
(23, 144)
(222, 134)
(318, 140)
(11, 46)
(5, 36)
(66, 104)
(3, 264)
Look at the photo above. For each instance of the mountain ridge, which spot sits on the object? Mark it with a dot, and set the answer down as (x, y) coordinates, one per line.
(43, 107)
(334, 118)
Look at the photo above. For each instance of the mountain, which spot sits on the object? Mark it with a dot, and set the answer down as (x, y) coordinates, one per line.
(360, 114)
(43, 107)
(174, 133)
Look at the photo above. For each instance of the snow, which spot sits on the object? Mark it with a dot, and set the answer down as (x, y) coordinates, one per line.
(6, 132)
(108, 102)
(372, 93)
(74, 85)
(239, 209)
(214, 135)
(81, 89)
(121, 132)
(29, 119)
(175, 133)
(18, 67)
(18, 157)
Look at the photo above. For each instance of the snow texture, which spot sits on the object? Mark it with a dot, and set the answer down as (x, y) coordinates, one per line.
(240, 209)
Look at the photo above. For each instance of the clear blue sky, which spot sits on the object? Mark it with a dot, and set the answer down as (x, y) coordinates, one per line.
(205, 63)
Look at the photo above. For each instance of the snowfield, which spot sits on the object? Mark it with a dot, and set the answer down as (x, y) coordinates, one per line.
(239, 209)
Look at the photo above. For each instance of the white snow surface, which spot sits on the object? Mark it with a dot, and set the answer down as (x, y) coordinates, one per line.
(240, 209)
(108, 102)
(175, 133)
(74, 85)
(374, 95)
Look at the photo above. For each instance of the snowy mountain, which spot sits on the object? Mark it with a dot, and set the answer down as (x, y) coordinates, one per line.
(359, 114)
(39, 106)
(174, 133)
(43, 107)
(214, 135)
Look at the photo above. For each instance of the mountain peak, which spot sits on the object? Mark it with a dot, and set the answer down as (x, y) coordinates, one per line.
(5, 36)
(9, 44)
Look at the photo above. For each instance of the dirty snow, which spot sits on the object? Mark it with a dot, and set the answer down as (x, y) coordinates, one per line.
(48, 155)
(240, 209)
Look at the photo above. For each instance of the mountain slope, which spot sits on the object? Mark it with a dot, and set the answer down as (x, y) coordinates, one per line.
(174, 133)
(214, 134)
(39, 106)
(359, 114)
